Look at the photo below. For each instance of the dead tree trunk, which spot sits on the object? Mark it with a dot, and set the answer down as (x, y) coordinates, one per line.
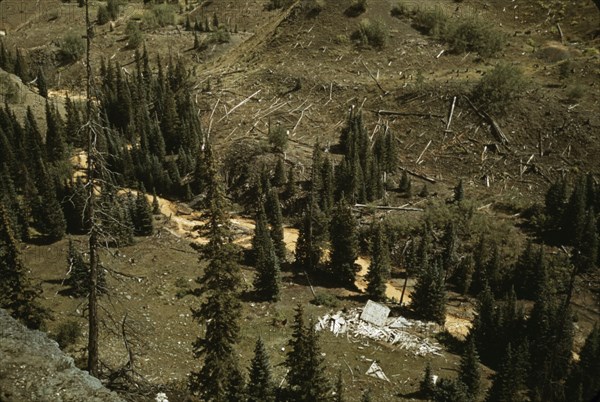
(92, 363)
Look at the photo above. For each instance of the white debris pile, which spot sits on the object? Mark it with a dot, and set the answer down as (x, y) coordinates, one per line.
(395, 331)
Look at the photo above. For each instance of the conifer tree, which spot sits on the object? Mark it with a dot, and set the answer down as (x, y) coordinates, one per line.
(379, 270)
(219, 378)
(260, 384)
(56, 150)
(268, 277)
(16, 294)
(78, 278)
(585, 254)
(404, 186)
(327, 181)
(555, 204)
(584, 377)
(429, 296)
(155, 204)
(21, 68)
(344, 244)
(469, 372)
(573, 218)
(41, 84)
(449, 249)
(142, 215)
(310, 239)
(426, 386)
(485, 327)
(459, 191)
(276, 221)
(506, 384)
(279, 177)
(339, 389)
(306, 377)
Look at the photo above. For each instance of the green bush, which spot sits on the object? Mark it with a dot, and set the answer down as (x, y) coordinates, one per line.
(326, 299)
(72, 47)
(401, 10)
(575, 92)
(113, 9)
(371, 33)
(499, 87)
(275, 4)
(278, 138)
(474, 35)
(67, 333)
(103, 16)
(134, 35)
(432, 21)
(160, 15)
(356, 8)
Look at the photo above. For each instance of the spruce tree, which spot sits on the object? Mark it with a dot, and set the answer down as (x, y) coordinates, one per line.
(16, 293)
(379, 270)
(584, 377)
(260, 384)
(429, 297)
(155, 204)
(219, 378)
(339, 389)
(279, 177)
(276, 221)
(585, 253)
(344, 244)
(459, 192)
(506, 384)
(449, 249)
(41, 84)
(268, 277)
(78, 279)
(56, 150)
(310, 239)
(426, 386)
(306, 377)
(485, 327)
(142, 215)
(469, 372)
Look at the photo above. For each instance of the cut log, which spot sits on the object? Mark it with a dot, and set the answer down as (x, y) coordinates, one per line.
(389, 208)
(420, 176)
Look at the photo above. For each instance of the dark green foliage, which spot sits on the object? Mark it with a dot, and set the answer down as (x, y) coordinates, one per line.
(21, 68)
(72, 47)
(135, 36)
(155, 204)
(276, 221)
(450, 391)
(275, 4)
(56, 149)
(344, 244)
(339, 389)
(459, 192)
(260, 384)
(379, 270)
(113, 9)
(449, 255)
(500, 87)
(469, 373)
(506, 386)
(78, 274)
(278, 138)
(142, 218)
(16, 293)
(485, 329)
(279, 177)
(405, 183)
(429, 296)
(584, 378)
(103, 16)
(68, 333)
(219, 378)
(310, 240)
(6, 59)
(426, 386)
(306, 377)
(530, 272)
(371, 33)
(268, 277)
(42, 84)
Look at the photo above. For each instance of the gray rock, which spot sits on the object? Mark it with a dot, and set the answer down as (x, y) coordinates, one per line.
(33, 368)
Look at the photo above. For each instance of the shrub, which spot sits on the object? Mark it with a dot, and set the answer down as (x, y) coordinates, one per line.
(113, 9)
(278, 138)
(134, 35)
(314, 7)
(72, 47)
(67, 333)
(373, 34)
(160, 15)
(474, 35)
(496, 89)
(575, 92)
(103, 16)
(325, 299)
(431, 21)
(401, 10)
(356, 8)
(275, 4)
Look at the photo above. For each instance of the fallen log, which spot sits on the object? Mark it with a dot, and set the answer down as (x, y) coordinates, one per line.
(394, 113)
(420, 176)
(389, 208)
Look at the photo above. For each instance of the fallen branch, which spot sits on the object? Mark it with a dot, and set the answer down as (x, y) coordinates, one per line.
(420, 176)
(394, 113)
(375, 79)
(389, 208)
(239, 104)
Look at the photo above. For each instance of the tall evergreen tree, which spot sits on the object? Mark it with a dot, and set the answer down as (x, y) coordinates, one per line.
(56, 150)
(340, 395)
(380, 268)
(42, 84)
(219, 378)
(344, 244)
(275, 219)
(310, 239)
(426, 386)
(78, 278)
(506, 384)
(485, 327)
(142, 215)
(268, 277)
(585, 253)
(469, 372)
(429, 296)
(584, 377)
(306, 377)
(260, 384)
(16, 293)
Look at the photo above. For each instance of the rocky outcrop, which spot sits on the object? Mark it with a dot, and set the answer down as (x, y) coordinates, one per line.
(33, 368)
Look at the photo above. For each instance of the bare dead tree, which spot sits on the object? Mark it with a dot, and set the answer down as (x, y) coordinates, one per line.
(92, 362)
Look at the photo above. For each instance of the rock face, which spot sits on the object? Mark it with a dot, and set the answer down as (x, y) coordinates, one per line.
(33, 368)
